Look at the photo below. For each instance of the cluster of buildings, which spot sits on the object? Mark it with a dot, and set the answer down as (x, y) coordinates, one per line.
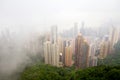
(79, 50)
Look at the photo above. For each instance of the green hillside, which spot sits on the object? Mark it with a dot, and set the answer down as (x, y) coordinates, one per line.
(47, 72)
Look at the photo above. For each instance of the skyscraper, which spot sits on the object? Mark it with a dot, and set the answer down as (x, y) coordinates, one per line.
(51, 54)
(75, 32)
(47, 37)
(104, 48)
(82, 30)
(92, 55)
(60, 60)
(53, 49)
(68, 55)
(47, 52)
(54, 35)
(113, 36)
(93, 61)
(81, 52)
(60, 44)
(55, 54)
(64, 45)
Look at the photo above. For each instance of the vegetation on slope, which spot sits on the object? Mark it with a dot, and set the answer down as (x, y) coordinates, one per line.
(47, 72)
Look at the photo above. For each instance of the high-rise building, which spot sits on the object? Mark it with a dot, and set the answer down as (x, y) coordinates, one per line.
(73, 45)
(93, 61)
(64, 45)
(75, 32)
(61, 51)
(51, 54)
(81, 52)
(53, 49)
(104, 48)
(113, 36)
(60, 44)
(47, 52)
(68, 55)
(82, 30)
(60, 60)
(54, 35)
(55, 54)
(92, 55)
(47, 37)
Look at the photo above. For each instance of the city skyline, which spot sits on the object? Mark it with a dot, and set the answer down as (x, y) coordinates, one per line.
(67, 36)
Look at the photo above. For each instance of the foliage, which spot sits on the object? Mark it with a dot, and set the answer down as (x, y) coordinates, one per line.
(98, 73)
(47, 72)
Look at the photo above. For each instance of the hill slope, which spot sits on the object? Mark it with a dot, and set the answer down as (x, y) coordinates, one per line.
(47, 72)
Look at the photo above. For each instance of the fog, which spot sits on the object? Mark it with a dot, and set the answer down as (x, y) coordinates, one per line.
(23, 24)
(61, 12)
(17, 49)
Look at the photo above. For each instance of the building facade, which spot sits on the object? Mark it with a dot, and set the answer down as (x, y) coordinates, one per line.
(68, 56)
(81, 52)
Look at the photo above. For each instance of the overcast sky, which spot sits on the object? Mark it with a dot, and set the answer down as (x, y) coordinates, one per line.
(64, 13)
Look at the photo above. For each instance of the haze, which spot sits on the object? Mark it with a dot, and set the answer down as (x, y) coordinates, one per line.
(23, 21)
(44, 13)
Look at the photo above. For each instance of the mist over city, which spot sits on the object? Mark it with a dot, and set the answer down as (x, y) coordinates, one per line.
(59, 39)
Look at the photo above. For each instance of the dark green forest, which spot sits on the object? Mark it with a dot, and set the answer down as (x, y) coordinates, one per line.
(47, 72)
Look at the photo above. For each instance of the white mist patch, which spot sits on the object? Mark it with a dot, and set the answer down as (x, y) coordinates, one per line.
(14, 55)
